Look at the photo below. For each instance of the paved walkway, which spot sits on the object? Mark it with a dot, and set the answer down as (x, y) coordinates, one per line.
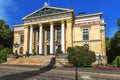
(19, 72)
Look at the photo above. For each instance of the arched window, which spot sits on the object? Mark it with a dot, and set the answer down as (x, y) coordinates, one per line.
(21, 50)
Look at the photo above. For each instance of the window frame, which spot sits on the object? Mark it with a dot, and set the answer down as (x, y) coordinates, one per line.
(85, 33)
(21, 39)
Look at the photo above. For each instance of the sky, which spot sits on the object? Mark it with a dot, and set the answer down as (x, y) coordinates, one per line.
(12, 11)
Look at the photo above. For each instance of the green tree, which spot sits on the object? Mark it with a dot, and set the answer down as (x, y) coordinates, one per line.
(6, 40)
(118, 23)
(108, 43)
(115, 47)
(81, 56)
(6, 35)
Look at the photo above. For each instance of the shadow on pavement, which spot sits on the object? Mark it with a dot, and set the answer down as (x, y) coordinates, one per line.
(29, 74)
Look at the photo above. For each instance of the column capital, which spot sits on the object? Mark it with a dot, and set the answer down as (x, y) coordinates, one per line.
(31, 25)
(69, 20)
(40, 24)
(51, 23)
(25, 26)
(62, 21)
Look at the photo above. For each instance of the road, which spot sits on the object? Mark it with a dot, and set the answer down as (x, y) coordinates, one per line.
(19, 72)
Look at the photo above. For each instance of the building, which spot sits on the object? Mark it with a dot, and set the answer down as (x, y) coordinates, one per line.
(45, 26)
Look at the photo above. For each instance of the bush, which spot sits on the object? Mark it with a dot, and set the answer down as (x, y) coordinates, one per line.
(3, 54)
(116, 62)
(81, 56)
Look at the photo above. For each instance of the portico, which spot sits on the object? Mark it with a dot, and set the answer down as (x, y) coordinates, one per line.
(42, 36)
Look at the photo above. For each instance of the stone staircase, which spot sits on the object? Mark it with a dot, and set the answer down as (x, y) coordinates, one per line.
(34, 60)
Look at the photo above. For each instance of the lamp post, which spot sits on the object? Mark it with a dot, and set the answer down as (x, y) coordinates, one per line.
(16, 45)
(56, 44)
(99, 59)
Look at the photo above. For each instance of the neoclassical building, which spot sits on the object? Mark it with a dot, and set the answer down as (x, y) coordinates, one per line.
(42, 28)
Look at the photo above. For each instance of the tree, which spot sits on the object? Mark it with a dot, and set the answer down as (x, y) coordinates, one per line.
(6, 35)
(118, 23)
(115, 47)
(80, 56)
(6, 40)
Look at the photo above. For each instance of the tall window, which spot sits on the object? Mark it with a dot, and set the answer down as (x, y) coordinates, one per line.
(48, 34)
(59, 48)
(58, 33)
(21, 39)
(48, 49)
(85, 34)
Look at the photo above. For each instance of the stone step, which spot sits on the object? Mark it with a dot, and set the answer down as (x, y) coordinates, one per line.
(34, 60)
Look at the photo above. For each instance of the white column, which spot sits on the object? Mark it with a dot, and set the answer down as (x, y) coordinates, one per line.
(63, 36)
(51, 38)
(40, 38)
(31, 33)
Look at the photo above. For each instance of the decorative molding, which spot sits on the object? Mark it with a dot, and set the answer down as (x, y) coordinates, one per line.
(88, 24)
(69, 20)
(87, 40)
(44, 18)
(62, 21)
(40, 24)
(19, 32)
(25, 26)
(31, 26)
(51, 23)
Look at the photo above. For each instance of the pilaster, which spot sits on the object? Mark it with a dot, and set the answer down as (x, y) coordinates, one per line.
(26, 33)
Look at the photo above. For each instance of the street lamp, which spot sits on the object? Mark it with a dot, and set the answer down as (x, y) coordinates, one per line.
(99, 59)
(16, 45)
(56, 44)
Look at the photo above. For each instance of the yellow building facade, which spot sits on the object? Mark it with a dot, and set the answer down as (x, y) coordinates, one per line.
(48, 25)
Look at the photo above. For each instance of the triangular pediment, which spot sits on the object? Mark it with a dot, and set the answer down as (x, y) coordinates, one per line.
(46, 10)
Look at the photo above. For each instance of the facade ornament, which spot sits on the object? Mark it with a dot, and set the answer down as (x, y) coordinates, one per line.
(45, 4)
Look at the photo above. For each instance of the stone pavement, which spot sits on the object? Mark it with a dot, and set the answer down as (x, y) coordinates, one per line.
(20, 72)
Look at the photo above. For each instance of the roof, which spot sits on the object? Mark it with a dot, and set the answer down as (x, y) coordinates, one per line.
(46, 10)
(87, 15)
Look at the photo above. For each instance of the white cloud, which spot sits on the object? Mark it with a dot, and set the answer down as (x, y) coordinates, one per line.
(7, 6)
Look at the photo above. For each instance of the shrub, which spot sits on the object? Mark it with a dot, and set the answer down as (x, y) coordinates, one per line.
(81, 56)
(116, 62)
(3, 54)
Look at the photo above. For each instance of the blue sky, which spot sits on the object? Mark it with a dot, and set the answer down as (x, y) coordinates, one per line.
(12, 11)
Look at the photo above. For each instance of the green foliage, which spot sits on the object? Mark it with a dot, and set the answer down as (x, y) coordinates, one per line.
(3, 54)
(81, 56)
(118, 22)
(115, 47)
(108, 43)
(6, 35)
(116, 62)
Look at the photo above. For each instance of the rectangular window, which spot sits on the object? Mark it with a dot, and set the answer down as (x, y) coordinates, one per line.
(85, 34)
(21, 39)
(59, 48)
(48, 34)
(48, 50)
(59, 33)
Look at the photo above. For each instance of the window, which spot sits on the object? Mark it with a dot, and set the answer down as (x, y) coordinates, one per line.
(21, 39)
(58, 33)
(21, 50)
(85, 34)
(48, 49)
(59, 48)
(48, 34)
